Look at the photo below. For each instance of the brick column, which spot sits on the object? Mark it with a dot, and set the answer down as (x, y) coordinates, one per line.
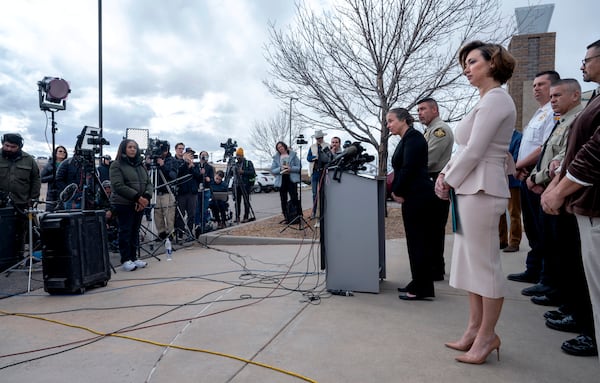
(534, 53)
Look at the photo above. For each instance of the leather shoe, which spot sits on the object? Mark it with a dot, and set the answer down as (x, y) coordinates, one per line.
(537, 290)
(503, 246)
(566, 324)
(582, 345)
(545, 300)
(555, 314)
(406, 288)
(523, 277)
(438, 278)
(411, 297)
(511, 249)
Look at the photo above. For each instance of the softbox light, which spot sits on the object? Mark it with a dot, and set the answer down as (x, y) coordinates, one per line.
(140, 136)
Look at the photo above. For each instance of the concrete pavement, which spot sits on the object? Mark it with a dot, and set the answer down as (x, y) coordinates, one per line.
(257, 313)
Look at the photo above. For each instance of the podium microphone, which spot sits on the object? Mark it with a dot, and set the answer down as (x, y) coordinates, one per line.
(348, 152)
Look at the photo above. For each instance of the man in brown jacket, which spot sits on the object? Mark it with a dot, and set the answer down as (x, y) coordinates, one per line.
(578, 189)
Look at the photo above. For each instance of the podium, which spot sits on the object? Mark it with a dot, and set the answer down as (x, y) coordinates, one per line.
(353, 231)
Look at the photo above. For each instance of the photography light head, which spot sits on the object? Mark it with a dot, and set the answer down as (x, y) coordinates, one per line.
(300, 140)
(53, 93)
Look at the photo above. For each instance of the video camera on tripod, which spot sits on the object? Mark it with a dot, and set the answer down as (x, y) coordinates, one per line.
(156, 148)
(89, 143)
(87, 146)
(229, 146)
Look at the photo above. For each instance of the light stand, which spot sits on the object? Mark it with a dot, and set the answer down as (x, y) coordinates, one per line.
(302, 224)
(53, 93)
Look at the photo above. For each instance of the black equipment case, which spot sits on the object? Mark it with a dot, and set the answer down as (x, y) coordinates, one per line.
(74, 251)
(8, 255)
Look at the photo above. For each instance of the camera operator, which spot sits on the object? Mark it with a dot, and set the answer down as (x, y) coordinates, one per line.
(246, 176)
(103, 168)
(187, 194)
(204, 193)
(315, 154)
(164, 209)
(20, 179)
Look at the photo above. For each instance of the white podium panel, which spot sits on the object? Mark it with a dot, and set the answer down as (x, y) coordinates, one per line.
(353, 231)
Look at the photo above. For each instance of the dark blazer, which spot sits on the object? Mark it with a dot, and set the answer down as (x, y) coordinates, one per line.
(411, 180)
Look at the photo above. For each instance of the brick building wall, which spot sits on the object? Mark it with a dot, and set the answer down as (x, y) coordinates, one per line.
(534, 53)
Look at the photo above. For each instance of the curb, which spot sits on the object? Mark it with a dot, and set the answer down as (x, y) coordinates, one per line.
(224, 239)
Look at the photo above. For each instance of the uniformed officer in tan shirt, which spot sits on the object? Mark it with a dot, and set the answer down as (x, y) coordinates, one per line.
(438, 134)
(440, 141)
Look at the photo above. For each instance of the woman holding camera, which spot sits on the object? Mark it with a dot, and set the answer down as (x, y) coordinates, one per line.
(286, 169)
(132, 191)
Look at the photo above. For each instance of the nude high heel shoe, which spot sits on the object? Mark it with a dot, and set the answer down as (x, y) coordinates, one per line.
(495, 345)
(458, 346)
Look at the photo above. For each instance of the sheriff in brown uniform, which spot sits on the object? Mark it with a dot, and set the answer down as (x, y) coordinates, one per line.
(440, 140)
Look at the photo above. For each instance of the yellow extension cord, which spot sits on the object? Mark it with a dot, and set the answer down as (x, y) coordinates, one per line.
(306, 379)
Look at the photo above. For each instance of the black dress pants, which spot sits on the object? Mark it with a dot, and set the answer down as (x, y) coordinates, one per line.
(417, 225)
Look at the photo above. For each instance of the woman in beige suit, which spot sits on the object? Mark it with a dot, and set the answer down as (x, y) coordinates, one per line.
(478, 176)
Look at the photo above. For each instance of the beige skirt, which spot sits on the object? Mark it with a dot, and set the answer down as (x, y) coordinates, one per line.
(476, 264)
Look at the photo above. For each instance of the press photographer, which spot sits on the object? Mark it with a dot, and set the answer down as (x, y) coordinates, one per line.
(187, 194)
(204, 193)
(244, 176)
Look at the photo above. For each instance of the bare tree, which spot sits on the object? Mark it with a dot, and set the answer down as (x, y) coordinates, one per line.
(265, 134)
(347, 67)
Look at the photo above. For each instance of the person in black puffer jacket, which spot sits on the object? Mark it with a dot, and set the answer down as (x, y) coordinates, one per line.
(131, 193)
(48, 176)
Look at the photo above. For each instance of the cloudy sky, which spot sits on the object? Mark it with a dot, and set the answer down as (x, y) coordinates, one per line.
(187, 70)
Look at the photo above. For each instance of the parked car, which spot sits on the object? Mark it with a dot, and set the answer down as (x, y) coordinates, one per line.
(265, 182)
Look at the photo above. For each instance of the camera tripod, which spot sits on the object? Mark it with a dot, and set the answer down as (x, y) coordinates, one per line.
(154, 174)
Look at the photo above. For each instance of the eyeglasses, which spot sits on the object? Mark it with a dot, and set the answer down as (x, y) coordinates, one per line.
(588, 59)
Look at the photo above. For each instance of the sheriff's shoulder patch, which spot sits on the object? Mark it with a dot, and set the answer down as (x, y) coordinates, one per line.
(439, 133)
